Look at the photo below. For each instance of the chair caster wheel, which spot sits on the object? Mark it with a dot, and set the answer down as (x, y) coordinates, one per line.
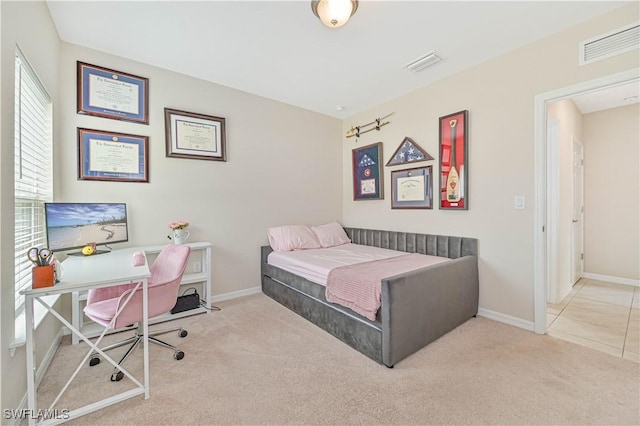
(178, 355)
(116, 377)
(94, 361)
(183, 333)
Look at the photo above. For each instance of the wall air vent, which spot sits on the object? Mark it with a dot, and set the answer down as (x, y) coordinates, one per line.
(610, 44)
(423, 62)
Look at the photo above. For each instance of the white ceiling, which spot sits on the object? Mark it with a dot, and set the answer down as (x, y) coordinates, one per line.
(611, 97)
(280, 50)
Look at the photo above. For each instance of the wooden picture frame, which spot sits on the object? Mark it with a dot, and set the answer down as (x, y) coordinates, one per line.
(412, 188)
(110, 156)
(408, 152)
(454, 170)
(195, 136)
(106, 93)
(368, 173)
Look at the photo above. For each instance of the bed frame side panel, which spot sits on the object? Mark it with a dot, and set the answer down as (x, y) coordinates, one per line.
(421, 306)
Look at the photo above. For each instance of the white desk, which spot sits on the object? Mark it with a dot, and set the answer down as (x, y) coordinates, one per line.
(197, 273)
(84, 273)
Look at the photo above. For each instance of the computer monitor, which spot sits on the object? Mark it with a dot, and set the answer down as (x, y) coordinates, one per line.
(74, 225)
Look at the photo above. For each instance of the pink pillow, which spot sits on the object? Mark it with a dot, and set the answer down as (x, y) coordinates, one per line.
(292, 237)
(330, 235)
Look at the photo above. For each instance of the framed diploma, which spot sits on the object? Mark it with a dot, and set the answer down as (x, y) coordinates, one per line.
(454, 170)
(112, 156)
(191, 135)
(112, 94)
(412, 188)
(368, 172)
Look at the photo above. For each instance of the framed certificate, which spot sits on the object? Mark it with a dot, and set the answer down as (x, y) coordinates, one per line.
(112, 94)
(112, 156)
(368, 172)
(191, 135)
(412, 188)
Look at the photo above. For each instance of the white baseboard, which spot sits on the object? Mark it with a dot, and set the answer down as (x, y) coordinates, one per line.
(236, 294)
(610, 279)
(507, 319)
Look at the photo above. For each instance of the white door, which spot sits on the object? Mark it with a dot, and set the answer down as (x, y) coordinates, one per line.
(577, 220)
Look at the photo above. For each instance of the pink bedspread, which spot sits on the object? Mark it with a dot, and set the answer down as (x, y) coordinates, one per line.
(359, 287)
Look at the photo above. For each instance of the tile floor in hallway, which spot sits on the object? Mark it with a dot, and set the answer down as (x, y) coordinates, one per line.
(600, 315)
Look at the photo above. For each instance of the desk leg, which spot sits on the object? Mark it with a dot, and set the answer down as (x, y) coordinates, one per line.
(31, 368)
(145, 330)
(75, 315)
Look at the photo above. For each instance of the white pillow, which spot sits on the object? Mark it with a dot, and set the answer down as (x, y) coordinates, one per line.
(330, 234)
(292, 237)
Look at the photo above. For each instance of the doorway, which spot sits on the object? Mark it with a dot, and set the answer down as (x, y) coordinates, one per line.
(545, 222)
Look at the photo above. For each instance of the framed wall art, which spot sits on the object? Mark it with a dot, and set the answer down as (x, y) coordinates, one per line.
(112, 156)
(408, 152)
(454, 170)
(107, 93)
(192, 135)
(411, 188)
(368, 173)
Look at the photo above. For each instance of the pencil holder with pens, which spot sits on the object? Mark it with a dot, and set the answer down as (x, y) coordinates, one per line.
(42, 276)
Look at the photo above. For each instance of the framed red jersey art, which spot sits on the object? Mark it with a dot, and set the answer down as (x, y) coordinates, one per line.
(454, 170)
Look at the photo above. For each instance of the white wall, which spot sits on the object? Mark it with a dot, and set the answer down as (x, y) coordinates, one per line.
(569, 120)
(612, 192)
(28, 25)
(499, 95)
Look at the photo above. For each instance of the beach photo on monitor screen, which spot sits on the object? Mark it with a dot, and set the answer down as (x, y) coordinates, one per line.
(72, 225)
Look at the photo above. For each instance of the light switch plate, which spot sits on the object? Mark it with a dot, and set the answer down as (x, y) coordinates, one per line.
(518, 202)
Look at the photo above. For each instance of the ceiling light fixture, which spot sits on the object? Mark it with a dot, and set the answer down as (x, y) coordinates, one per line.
(334, 13)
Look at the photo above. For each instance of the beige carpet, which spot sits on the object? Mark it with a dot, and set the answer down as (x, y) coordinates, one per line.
(255, 362)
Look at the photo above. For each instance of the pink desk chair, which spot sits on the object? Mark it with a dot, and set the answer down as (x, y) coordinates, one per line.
(163, 284)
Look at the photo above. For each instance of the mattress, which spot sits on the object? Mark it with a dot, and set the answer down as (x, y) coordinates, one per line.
(315, 264)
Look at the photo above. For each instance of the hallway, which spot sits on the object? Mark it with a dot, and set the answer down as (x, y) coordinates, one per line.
(599, 315)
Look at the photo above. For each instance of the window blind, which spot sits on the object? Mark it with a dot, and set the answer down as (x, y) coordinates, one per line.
(33, 170)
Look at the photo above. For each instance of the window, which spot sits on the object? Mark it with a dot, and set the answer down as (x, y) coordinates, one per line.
(32, 169)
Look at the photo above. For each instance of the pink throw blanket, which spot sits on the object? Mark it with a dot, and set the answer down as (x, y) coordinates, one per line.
(359, 287)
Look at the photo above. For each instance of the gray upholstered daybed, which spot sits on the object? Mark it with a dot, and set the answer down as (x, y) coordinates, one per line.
(417, 307)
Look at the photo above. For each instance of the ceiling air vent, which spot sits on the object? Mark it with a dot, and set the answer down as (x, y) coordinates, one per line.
(610, 44)
(423, 62)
